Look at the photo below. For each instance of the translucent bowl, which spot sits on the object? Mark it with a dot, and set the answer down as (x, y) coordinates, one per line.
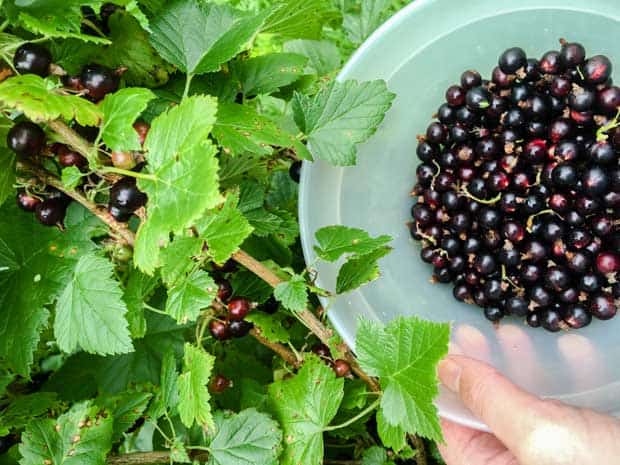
(420, 52)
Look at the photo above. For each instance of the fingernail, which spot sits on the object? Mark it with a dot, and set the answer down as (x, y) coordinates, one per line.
(449, 373)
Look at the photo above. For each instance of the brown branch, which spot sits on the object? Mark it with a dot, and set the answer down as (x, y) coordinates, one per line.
(420, 455)
(72, 138)
(119, 228)
(144, 458)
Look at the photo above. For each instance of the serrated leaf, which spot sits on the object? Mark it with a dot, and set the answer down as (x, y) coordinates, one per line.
(198, 38)
(224, 230)
(246, 438)
(323, 56)
(358, 26)
(299, 18)
(125, 408)
(178, 258)
(247, 284)
(267, 73)
(81, 436)
(81, 227)
(178, 453)
(120, 111)
(137, 291)
(190, 295)
(263, 221)
(90, 312)
(251, 196)
(163, 336)
(183, 161)
(240, 129)
(404, 356)
(71, 177)
(282, 192)
(304, 405)
(269, 326)
(375, 455)
(168, 396)
(37, 99)
(293, 294)
(61, 23)
(193, 393)
(360, 270)
(341, 116)
(23, 409)
(31, 277)
(131, 48)
(335, 241)
(393, 437)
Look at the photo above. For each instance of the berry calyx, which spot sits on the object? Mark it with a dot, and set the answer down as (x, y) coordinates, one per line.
(32, 59)
(26, 139)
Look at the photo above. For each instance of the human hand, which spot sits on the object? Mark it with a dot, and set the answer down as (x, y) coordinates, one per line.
(526, 430)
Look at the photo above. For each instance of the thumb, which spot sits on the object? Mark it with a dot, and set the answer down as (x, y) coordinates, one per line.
(510, 412)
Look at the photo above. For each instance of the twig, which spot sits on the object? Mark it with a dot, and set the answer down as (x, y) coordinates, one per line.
(420, 455)
(287, 355)
(144, 458)
(72, 138)
(119, 228)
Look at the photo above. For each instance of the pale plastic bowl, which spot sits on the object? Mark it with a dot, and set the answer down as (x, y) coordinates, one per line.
(420, 52)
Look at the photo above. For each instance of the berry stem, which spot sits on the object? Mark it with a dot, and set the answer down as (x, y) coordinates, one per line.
(530, 220)
(352, 420)
(601, 133)
(133, 174)
(495, 199)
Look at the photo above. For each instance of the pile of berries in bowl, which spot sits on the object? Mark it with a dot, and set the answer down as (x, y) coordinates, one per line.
(518, 189)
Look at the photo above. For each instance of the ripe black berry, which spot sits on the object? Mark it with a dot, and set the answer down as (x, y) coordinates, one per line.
(470, 79)
(572, 54)
(493, 314)
(125, 195)
(219, 384)
(26, 139)
(602, 306)
(219, 330)
(550, 63)
(32, 59)
(597, 69)
(577, 316)
(50, 212)
(551, 321)
(516, 306)
(512, 59)
(295, 171)
(68, 157)
(224, 290)
(238, 309)
(98, 81)
(239, 328)
(478, 98)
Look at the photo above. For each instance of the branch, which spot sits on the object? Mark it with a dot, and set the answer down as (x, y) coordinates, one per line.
(144, 458)
(120, 229)
(72, 138)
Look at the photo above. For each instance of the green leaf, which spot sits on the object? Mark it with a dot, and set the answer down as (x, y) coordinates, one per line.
(247, 284)
(251, 196)
(81, 436)
(168, 395)
(358, 26)
(197, 38)
(37, 99)
(193, 393)
(323, 56)
(304, 405)
(267, 73)
(31, 278)
(282, 192)
(178, 258)
(120, 111)
(404, 355)
(137, 291)
(299, 18)
(293, 294)
(269, 326)
(81, 227)
(355, 395)
(224, 230)
(178, 453)
(90, 312)
(7, 174)
(22, 409)
(264, 222)
(360, 270)
(183, 161)
(240, 129)
(340, 116)
(131, 48)
(71, 177)
(189, 296)
(125, 409)
(393, 437)
(375, 455)
(144, 363)
(335, 241)
(246, 438)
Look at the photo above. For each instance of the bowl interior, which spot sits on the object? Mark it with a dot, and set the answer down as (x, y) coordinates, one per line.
(420, 52)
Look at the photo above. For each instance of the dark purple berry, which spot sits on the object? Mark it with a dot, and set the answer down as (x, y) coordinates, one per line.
(512, 59)
(26, 139)
(32, 58)
(98, 81)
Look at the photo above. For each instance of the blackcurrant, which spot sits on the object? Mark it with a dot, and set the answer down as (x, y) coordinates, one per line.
(99, 81)
(512, 59)
(238, 309)
(124, 194)
(239, 328)
(295, 171)
(50, 212)
(32, 58)
(26, 139)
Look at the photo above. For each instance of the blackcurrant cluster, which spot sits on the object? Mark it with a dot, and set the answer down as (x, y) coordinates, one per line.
(341, 367)
(518, 192)
(234, 325)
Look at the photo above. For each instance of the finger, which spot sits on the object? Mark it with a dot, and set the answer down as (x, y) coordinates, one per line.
(510, 412)
(465, 446)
